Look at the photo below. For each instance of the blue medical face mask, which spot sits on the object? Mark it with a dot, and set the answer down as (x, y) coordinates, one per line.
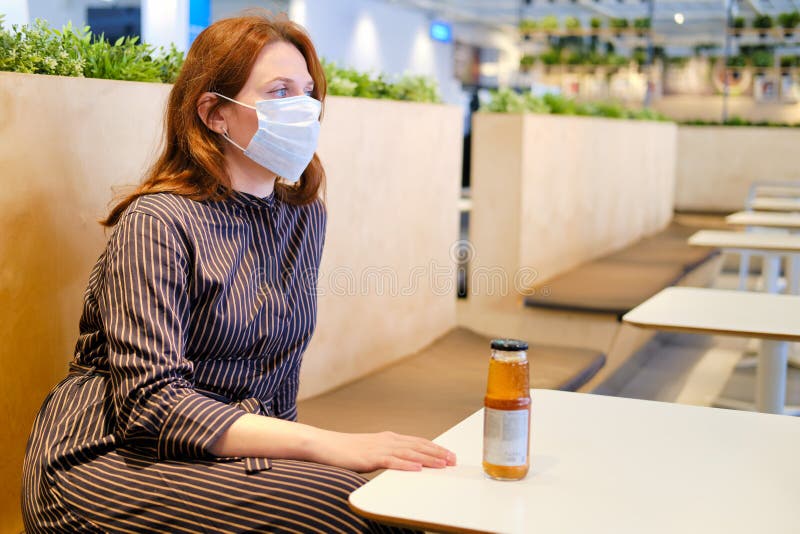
(286, 139)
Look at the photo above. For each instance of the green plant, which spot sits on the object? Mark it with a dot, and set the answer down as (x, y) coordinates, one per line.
(39, 49)
(350, 82)
(123, 60)
(618, 24)
(763, 59)
(509, 101)
(551, 57)
(549, 23)
(596, 23)
(528, 26)
(414, 88)
(763, 23)
(738, 22)
(643, 23)
(788, 21)
(572, 24)
(575, 57)
(737, 62)
(527, 61)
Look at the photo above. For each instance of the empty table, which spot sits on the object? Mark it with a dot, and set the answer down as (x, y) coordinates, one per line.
(767, 219)
(775, 204)
(608, 464)
(771, 318)
(773, 246)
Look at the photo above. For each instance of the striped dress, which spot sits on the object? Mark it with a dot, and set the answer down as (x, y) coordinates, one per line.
(195, 314)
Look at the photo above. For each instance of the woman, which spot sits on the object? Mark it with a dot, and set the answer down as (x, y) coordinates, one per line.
(178, 413)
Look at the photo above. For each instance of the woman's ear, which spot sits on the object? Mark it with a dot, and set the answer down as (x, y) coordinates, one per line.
(212, 117)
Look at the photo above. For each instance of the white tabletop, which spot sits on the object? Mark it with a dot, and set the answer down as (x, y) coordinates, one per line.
(767, 242)
(720, 311)
(764, 218)
(608, 464)
(787, 190)
(775, 204)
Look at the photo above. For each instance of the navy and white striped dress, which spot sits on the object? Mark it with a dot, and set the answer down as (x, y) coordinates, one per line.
(196, 313)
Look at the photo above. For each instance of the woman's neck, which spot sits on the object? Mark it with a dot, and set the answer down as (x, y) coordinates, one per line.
(250, 177)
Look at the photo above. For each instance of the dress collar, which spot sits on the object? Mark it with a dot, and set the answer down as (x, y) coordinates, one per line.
(247, 200)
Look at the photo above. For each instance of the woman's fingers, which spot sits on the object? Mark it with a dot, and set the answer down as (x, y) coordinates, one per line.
(422, 458)
(393, 462)
(430, 448)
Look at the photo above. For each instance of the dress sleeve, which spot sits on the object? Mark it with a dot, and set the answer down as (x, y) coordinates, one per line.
(144, 306)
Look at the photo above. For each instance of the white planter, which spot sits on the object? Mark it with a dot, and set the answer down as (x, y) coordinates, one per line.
(551, 192)
(717, 164)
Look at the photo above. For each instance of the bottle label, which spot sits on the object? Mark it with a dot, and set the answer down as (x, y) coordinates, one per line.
(505, 437)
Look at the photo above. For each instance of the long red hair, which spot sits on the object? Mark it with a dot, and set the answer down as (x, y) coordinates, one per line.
(192, 163)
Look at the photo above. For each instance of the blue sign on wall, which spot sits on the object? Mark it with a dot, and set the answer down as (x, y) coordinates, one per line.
(441, 31)
(199, 17)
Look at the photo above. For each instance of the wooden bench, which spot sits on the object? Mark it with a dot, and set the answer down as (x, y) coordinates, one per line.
(620, 281)
(430, 391)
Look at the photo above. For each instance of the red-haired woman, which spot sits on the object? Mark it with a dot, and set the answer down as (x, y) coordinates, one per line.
(178, 414)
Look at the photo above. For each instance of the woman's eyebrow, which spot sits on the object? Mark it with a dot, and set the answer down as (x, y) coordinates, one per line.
(289, 80)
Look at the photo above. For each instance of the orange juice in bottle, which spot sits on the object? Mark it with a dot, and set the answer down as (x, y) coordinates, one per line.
(507, 412)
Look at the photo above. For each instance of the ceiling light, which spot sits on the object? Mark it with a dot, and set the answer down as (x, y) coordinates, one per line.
(679, 18)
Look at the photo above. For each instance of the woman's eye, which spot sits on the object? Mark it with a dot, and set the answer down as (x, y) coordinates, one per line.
(280, 93)
(310, 92)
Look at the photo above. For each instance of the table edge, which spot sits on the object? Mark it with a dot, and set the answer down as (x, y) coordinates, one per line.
(406, 523)
(709, 331)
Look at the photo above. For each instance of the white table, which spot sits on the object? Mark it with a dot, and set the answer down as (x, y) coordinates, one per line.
(608, 464)
(773, 246)
(775, 204)
(768, 219)
(775, 319)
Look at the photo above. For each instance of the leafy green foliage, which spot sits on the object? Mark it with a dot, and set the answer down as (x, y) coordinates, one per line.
(619, 23)
(39, 49)
(739, 121)
(789, 20)
(762, 22)
(510, 101)
(350, 82)
(528, 25)
(572, 23)
(549, 23)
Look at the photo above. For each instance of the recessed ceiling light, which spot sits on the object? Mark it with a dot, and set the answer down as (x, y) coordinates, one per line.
(679, 18)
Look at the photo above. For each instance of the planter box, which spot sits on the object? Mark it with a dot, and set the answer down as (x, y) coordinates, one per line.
(717, 164)
(393, 169)
(551, 192)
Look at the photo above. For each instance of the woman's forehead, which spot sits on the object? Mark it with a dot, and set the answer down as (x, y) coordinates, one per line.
(280, 60)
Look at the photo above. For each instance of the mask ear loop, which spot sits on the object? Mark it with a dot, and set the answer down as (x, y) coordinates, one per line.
(230, 140)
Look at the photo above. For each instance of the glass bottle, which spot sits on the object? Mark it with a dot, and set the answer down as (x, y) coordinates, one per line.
(507, 412)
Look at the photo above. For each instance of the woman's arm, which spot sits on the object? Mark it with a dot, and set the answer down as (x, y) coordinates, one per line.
(260, 436)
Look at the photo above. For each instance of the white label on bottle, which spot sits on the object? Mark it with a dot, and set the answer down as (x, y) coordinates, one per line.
(505, 437)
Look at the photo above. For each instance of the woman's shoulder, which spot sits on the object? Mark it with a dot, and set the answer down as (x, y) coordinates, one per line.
(169, 208)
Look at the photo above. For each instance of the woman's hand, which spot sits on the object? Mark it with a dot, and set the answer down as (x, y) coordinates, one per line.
(268, 437)
(384, 450)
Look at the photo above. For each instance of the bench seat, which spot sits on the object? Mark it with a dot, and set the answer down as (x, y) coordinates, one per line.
(430, 391)
(620, 281)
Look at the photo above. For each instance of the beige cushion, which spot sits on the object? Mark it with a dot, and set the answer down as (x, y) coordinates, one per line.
(432, 390)
(605, 286)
